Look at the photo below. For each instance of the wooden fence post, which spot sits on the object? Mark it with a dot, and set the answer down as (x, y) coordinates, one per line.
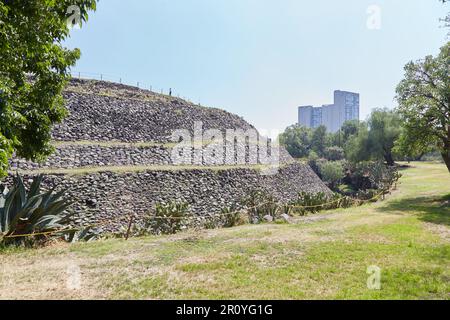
(127, 235)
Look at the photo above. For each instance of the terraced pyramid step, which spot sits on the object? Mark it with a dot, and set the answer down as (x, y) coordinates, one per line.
(114, 155)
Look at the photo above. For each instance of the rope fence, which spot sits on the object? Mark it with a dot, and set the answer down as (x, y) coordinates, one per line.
(357, 202)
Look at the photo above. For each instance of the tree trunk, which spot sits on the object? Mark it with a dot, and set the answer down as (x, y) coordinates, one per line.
(446, 152)
(446, 157)
(420, 156)
(389, 159)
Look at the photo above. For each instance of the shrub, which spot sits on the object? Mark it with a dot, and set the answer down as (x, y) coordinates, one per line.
(260, 204)
(287, 209)
(332, 173)
(25, 212)
(346, 190)
(168, 218)
(314, 162)
(309, 202)
(313, 203)
(371, 175)
(211, 222)
(369, 194)
(252, 202)
(230, 217)
(269, 207)
(334, 153)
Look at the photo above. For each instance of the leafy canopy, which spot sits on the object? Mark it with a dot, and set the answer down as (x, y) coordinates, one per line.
(297, 140)
(424, 104)
(376, 140)
(34, 67)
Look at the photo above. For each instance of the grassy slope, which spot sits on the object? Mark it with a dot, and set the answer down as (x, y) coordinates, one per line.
(320, 256)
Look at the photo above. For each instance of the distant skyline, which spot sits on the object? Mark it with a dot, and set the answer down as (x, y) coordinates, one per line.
(345, 107)
(261, 59)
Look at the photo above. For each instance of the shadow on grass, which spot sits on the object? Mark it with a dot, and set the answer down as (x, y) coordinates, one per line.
(429, 209)
(403, 167)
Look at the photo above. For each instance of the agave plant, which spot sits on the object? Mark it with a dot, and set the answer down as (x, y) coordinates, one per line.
(86, 234)
(23, 213)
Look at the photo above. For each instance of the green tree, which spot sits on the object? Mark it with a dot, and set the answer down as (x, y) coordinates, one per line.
(34, 68)
(375, 140)
(349, 128)
(384, 130)
(335, 139)
(407, 148)
(297, 140)
(319, 140)
(332, 173)
(334, 153)
(424, 104)
(357, 148)
(446, 20)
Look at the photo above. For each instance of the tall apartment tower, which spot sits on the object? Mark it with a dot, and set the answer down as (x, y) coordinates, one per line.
(332, 116)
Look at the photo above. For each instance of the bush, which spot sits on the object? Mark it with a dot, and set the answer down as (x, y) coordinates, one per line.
(371, 175)
(369, 194)
(260, 204)
(332, 172)
(297, 140)
(252, 201)
(346, 190)
(287, 209)
(25, 212)
(433, 156)
(315, 202)
(334, 153)
(168, 218)
(314, 162)
(230, 217)
(309, 202)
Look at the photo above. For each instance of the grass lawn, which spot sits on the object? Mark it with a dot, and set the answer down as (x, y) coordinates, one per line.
(322, 256)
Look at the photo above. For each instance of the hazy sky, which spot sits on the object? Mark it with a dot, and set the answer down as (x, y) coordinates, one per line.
(261, 58)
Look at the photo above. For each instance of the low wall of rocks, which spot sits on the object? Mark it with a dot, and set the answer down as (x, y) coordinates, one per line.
(82, 156)
(109, 198)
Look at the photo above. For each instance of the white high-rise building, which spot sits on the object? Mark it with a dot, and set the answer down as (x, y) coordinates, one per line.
(332, 116)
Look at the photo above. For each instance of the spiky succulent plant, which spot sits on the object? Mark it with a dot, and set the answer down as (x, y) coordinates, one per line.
(25, 212)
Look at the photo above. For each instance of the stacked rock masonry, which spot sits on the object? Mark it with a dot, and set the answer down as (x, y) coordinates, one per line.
(114, 155)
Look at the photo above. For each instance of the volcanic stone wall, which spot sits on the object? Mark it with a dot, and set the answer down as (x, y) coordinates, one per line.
(96, 155)
(111, 197)
(102, 111)
(113, 154)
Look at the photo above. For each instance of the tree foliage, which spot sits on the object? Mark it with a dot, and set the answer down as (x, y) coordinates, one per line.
(332, 173)
(424, 104)
(384, 130)
(446, 20)
(301, 141)
(349, 128)
(357, 147)
(376, 140)
(334, 153)
(319, 140)
(34, 67)
(297, 140)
